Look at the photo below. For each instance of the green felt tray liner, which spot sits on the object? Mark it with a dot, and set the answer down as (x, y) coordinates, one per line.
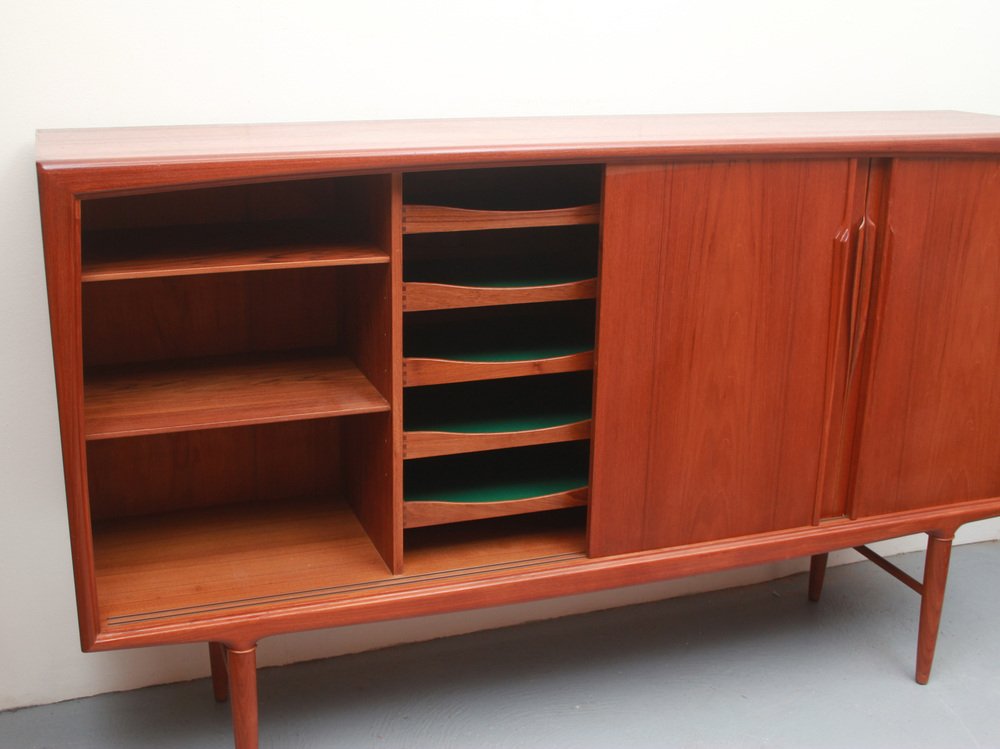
(498, 476)
(513, 405)
(503, 334)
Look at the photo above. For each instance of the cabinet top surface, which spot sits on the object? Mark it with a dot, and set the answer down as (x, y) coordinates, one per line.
(449, 141)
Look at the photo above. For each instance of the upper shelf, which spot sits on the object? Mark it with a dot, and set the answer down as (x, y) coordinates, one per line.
(127, 401)
(298, 223)
(423, 219)
(112, 255)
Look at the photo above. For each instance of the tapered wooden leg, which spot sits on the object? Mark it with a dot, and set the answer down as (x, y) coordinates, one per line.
(817, 573)
(220, 679)
(935, 578)
(243, 696)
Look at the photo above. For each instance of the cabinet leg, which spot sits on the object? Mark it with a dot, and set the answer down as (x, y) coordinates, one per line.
(935, 578)
(220, 679)
(817, 573)
(243, 696)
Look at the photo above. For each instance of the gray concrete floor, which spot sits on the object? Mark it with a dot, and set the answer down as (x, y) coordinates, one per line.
(747, 667)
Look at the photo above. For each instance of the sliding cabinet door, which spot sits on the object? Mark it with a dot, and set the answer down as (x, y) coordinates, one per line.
(930, 425)
(720, 347)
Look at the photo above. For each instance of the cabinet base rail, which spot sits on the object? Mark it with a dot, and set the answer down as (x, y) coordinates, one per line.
(234, 671)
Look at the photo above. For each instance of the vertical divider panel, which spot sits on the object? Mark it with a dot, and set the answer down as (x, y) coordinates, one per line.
(373, 463)
(394, 241)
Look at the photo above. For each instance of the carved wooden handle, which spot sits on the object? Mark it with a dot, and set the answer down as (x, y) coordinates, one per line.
(861, 289)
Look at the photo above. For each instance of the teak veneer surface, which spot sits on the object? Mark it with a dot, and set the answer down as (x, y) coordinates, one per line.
(418, 297)
(931, 426)
(419, 514)
(226, 391)
(424, 219)
(395, 143)
(715, 428)
(223, 560)
(190, 250)
(424, 444)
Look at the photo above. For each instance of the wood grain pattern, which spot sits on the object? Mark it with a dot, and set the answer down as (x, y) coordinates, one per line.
(369, 305)
(243, 689)
(189, 317)
(143, 259)
(221, 392)
(423, 219)
(187, 470)
(61, 237)
(932, 403)
(418, 297)
(931, 601)
(419, 371)
(852, 254)
(425, 444)
(418, 514)
(718, 424)
(395, 238)
(258, 556)
(214, 556)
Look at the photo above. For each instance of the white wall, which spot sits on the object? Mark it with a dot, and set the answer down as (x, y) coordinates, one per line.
(101, 62)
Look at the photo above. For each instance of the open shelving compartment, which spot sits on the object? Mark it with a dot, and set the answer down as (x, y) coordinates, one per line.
(257, 226)
(237, 395)
(500, 281)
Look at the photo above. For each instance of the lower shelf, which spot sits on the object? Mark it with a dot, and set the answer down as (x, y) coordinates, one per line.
(217, 558)
(199, 564)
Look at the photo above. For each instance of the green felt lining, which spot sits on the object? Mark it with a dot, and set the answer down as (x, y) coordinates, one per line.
(498, 475)
(513, 405)
(504, 334)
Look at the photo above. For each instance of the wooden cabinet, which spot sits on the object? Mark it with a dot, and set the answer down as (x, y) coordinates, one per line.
(311, 376)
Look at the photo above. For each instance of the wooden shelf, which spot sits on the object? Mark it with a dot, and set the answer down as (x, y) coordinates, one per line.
(420, 219)
(111, 255)
(487, 343)
(220, 560)
(489, 484)
(430, 443)
(420, 514)
(471, 417)
(223, 391)
(421, 371)
(418, 297)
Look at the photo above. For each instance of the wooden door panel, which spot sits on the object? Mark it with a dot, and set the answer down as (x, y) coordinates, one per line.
(930, 429)
(714, 367)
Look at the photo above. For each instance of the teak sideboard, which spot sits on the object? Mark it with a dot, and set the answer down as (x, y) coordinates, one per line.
(321, 374)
